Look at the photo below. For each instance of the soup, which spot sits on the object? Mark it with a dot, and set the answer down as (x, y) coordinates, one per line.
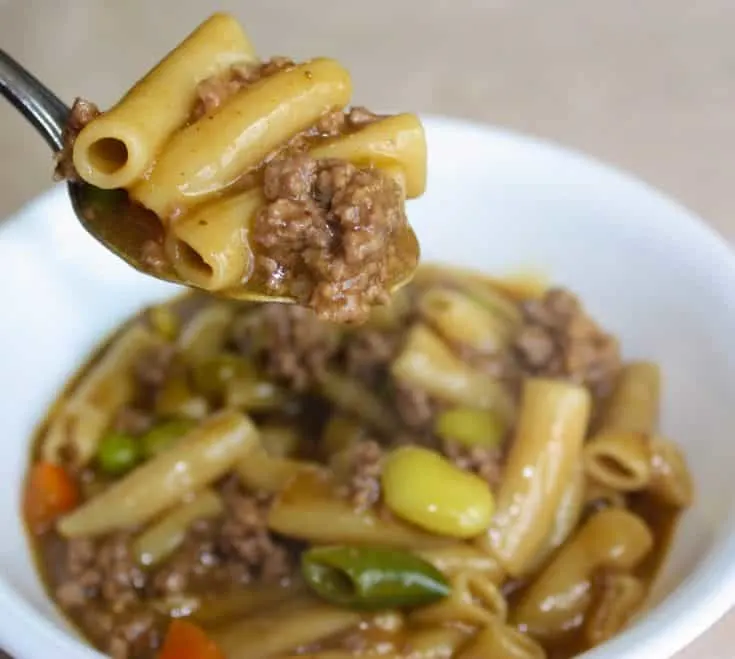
(474, 472)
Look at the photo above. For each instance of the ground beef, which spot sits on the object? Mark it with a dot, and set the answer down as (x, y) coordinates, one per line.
(361, 468)
(291, 344)
(415, 407)
(338, 122)
(104, 570)
(558, 339)
(487, 463)
(132, 421)
(244, 537)
(103, 587)
(82, 112)
(368, 354)
(153, 365)
(214, 91)
(327, 235)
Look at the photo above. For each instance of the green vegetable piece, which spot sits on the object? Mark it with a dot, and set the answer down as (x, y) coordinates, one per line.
(471, 427)
(212, 376)
(164, 435)
(118, 453)
(372, 577)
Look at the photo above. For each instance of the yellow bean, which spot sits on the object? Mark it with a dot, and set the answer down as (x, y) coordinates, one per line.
(422, 487)
(471, 427)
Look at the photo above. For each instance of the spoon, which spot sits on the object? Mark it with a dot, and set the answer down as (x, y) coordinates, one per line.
(127, 229)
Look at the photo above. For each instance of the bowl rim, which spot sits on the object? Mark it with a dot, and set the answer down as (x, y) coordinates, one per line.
(693, 606)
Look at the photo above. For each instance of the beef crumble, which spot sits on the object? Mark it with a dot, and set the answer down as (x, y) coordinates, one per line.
(292, 346)
(361, 468)
(327, 235)
(82, 112)
(212, 92)
(559, 340)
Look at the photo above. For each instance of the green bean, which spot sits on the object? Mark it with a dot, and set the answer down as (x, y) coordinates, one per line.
(164, 435)
(212, 376)
(471, 427)
(372, 577)
(118, 453)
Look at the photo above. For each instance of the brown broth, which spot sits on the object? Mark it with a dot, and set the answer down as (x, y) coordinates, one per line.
(310, 415)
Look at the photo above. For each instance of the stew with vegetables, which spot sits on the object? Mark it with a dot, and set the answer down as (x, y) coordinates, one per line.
(474, 472)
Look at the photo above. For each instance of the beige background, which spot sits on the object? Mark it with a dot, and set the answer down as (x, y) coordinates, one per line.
(646, 84)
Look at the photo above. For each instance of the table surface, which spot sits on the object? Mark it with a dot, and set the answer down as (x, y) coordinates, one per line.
(648, 86)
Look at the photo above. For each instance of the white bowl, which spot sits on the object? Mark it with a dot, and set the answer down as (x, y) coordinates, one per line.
(646, 268)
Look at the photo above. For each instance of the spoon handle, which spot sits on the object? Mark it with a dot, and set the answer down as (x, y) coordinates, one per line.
(36, 102)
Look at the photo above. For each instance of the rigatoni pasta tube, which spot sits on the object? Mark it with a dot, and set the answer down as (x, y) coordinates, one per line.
(204, 336)
(261, 472)
(308, 509)
(560, 595)
(474, 600)
(89, 409)
(283, 630)
(115, 149)
(621, 595)
(427, 363)
(209, 247)
(164, 537)
(500, 641)
(543, 457)
(200, 458)
(433, 643)
(207, 157)
(397, 141)
(671, 480)
(463, 320)
(634, 403)
(566, 517)
(621, 460)
(462, 557)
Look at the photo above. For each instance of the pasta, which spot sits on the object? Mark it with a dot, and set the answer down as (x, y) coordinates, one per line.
(671, 481)
(551, 427)
(116, 149)
(459, 318)
(283, 487)
(251, 125)
(84, 416)
(308, 509)
(206, 453)
(164, 537)
(238, 170)
(612, 538)
(209, 247)
(620, 598)
(620, 460)
(300, 624)
(428, 364)
(634, 404)
(475, 600)
(499, 641)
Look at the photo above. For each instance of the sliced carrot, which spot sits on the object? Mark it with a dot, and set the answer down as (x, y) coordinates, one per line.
(49, 492)
(185, 640)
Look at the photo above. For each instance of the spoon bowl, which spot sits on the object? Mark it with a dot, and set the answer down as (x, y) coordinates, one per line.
(128, 230)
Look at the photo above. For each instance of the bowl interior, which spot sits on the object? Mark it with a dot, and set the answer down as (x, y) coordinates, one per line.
(499, 203)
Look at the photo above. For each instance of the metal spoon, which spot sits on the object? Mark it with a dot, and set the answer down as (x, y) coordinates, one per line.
(99, 211)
